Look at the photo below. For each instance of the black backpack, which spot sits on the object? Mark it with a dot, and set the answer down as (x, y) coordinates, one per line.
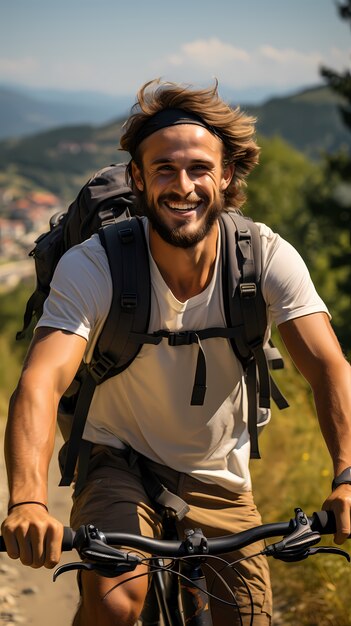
(106, 205)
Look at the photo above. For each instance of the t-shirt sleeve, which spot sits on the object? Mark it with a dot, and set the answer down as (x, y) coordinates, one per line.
(287, 286)
(80, 291)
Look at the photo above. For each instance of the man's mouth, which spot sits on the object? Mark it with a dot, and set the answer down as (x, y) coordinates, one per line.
(182, 207)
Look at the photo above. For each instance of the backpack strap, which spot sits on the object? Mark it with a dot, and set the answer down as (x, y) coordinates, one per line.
(127, 254)
(130, 307)
(246, 310)
(84, 399)
(172, 504)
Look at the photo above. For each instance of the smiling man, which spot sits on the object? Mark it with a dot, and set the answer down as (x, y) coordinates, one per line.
(190, 155)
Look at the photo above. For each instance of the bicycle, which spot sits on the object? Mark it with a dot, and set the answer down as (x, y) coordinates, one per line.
(184, 560)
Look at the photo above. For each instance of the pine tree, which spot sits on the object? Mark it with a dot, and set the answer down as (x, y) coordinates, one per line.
(330, 202)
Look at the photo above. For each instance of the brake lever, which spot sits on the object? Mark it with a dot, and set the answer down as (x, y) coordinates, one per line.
(331, 550)
(108, 570)
(91, 544)
(299, 554)
(296, 545)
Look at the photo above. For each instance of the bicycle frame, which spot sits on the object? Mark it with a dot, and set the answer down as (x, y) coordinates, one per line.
(178, 595)
(165, 598)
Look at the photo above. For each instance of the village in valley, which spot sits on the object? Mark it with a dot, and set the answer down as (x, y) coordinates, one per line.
(22, 219)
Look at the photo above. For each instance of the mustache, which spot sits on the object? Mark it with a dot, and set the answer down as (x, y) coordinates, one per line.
(175, 197)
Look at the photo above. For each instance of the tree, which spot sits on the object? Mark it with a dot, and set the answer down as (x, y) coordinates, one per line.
(330, 203)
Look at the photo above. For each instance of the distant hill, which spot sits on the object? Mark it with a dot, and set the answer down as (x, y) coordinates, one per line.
(60, 159)
(25, 112)
(309, 120)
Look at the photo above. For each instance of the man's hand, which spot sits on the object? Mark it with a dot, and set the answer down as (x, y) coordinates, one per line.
(339, 502)
(33, 536)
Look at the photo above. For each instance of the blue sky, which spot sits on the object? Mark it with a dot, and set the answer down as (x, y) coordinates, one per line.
(113, 47)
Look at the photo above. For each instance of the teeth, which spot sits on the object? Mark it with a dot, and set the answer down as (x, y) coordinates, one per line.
(182, 207)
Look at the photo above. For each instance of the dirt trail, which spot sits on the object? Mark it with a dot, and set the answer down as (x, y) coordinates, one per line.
(29, 596)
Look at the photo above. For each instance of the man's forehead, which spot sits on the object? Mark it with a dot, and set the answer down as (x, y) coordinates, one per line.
(182, 138)
(165, 118)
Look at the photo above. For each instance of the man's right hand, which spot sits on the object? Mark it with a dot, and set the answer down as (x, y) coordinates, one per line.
(33, 536)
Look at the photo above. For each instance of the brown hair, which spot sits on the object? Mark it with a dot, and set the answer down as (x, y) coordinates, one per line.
(236, 129)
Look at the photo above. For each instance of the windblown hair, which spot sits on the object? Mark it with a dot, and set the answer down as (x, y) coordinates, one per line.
(235, 127)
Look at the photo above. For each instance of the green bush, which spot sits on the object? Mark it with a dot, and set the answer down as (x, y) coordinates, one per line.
(12, 305)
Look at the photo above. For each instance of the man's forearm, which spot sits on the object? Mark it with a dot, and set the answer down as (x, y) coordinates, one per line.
(332, 393)
(29, 442)
(316, 352)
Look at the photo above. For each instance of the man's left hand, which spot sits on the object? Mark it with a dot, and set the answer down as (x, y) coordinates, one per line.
(339, 502)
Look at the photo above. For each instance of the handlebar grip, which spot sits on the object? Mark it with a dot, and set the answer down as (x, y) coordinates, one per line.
(68, 538)
(324, 522)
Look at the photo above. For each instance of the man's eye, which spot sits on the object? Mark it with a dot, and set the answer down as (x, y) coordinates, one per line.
(200, 168)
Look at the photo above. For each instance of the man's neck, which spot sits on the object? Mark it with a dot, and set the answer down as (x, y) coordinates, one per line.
(186, 271)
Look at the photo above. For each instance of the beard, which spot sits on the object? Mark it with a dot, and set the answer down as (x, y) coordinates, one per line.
(177, 236)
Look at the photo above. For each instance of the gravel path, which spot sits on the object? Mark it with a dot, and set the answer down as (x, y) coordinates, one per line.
(29, 596)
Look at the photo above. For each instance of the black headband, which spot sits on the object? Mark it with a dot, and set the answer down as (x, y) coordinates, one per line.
(169, 117)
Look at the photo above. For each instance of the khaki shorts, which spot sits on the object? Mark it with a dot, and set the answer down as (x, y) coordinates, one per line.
(114, 500)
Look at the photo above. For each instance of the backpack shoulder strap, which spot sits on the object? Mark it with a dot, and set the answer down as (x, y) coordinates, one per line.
(246, 310)
(126, 249)
(245, 307)
(129, 313)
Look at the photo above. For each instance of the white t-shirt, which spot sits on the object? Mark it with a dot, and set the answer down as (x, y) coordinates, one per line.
(148, 405)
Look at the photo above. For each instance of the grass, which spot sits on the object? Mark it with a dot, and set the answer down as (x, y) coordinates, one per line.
(295, 470)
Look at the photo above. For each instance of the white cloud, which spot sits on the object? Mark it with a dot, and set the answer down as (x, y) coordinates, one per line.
(288, 56)
(201, 59)
(208, 53)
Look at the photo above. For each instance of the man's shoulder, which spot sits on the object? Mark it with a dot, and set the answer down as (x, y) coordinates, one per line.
(82, 263)
(266, 232)
(86, 252)
(88, 246)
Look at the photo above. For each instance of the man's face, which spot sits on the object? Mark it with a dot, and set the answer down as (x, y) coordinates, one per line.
(181, 181)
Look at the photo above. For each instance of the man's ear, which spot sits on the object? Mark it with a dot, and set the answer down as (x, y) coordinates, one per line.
(137, 177)
(227, 175)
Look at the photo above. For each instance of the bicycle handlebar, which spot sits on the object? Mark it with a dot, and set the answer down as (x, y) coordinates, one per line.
(321, 521)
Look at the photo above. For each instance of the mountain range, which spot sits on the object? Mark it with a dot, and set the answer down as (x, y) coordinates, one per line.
(26, 110)
(59, 159)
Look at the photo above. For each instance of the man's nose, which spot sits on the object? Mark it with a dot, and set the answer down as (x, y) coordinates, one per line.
(184, 182)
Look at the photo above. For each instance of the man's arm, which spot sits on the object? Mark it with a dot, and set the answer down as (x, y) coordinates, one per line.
(30, 533)
(316, 352)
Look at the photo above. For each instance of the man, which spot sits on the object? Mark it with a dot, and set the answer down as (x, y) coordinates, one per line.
(190, 155)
